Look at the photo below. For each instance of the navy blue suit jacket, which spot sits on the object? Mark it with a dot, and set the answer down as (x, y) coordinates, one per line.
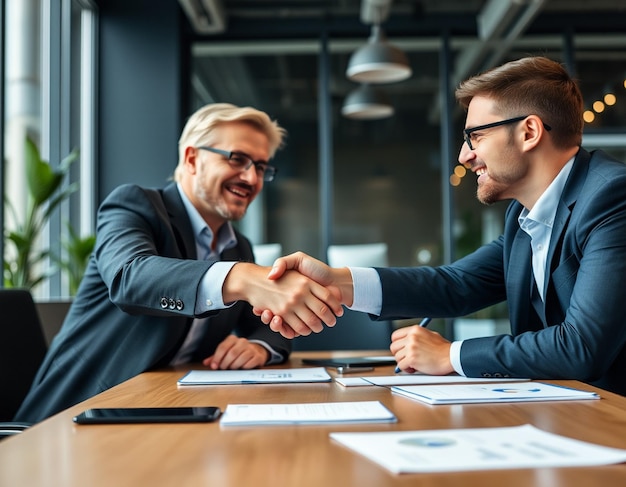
(117, 326)
(582, 333)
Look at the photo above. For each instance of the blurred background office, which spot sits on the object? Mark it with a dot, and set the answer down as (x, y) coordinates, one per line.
(117, 79)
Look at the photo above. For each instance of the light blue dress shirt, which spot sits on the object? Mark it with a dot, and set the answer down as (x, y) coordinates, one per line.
(537, 223)
(210, 291)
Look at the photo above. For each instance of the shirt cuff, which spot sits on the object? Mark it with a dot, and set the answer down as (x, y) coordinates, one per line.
(275, 357)
(368, 290)
(210, 293)
(455, 357)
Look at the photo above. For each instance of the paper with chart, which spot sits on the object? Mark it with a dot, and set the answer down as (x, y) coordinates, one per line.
(476, 449)
(414, 379)
(254, 376)
(307, 413)
(491, 393)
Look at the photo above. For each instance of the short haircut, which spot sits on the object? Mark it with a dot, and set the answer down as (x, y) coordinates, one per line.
(198, 128)
(532, 86)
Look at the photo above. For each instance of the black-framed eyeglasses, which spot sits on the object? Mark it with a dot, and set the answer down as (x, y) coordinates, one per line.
(468, 132)
(243, 162)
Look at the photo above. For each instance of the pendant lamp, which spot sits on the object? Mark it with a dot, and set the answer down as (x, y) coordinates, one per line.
(378, 61)
(367, 103)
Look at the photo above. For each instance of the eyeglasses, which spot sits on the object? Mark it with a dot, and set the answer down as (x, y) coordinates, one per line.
(468, 132)
(243, 162)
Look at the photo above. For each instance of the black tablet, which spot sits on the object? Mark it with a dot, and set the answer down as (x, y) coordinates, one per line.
(148, 415)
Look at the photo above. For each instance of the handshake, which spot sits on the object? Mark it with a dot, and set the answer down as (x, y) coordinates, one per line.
(297, 297)
(300, 294)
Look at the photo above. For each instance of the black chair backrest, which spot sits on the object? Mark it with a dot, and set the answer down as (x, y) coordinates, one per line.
(22, 348)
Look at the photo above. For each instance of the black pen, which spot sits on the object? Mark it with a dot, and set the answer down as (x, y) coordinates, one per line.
(424, 322)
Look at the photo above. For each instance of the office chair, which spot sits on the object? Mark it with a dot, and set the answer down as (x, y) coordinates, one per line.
(22, 349)
(266, 254)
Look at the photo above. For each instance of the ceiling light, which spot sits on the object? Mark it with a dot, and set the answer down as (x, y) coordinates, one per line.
(367, 103)
(378, 61)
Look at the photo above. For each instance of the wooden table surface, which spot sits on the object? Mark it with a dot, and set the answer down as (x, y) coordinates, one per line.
(58, 452)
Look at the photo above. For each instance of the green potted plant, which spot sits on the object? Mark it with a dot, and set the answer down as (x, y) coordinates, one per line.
(23, 258)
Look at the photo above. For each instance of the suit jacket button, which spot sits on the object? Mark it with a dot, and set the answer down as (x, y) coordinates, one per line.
(172, 304)
(497, 374)
(163, 303)
(487, 375)
(179, 304)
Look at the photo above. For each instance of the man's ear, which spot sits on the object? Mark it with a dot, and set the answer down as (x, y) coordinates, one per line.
(191, 159)
(534, 131)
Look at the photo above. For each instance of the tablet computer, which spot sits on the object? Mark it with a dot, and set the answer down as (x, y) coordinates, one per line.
(148, 415)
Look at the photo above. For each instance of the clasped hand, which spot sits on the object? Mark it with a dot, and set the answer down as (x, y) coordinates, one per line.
(319, 274)
(301, 304)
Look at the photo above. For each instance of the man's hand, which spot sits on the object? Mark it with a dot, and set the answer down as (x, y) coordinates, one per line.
(419, 349)
(337, 281)
(237, 353)
(303, 304)
(304, 264)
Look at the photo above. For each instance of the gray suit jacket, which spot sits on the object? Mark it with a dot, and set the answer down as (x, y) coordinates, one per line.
(580, 333)
(136, 303)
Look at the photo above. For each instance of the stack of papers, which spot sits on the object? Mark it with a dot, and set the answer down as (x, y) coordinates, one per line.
(494, 392)
(254, 376)
(313, 413)
(476, 449)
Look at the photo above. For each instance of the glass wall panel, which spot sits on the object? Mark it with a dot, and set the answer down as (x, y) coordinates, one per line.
(50, 98)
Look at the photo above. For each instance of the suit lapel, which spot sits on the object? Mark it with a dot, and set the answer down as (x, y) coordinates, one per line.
(519, 278)
(572, 189)
(179, 219)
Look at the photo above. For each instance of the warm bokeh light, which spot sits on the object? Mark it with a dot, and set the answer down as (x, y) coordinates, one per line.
(598, 106)
(610, 99)
(460, 171)
(455, 180)
(589, 116)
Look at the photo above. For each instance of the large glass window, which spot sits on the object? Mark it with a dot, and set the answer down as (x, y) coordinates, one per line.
(386, 173)
(50, 98)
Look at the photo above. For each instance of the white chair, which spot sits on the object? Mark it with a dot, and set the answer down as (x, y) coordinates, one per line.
(266, 254)
(359, 255)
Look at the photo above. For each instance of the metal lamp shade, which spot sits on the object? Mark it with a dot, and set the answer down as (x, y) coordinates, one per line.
(378, 61)
(367, 103)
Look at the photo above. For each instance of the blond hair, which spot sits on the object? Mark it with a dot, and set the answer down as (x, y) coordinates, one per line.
(198, 128)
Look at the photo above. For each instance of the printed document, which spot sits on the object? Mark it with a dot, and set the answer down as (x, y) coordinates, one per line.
(414, 379)
(494, 392)
(476, 449)
(254, 376)
(307, 413)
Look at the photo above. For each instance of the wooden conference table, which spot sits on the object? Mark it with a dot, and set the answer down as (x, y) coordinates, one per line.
(58, 452)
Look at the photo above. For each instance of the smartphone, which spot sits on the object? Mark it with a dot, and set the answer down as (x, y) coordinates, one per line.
(348, 369)
(149, 415)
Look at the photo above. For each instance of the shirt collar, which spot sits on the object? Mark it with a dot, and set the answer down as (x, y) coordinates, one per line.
(226, 237)
(544, 210)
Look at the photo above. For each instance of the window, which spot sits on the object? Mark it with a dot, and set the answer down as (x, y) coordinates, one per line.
(50, 93)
